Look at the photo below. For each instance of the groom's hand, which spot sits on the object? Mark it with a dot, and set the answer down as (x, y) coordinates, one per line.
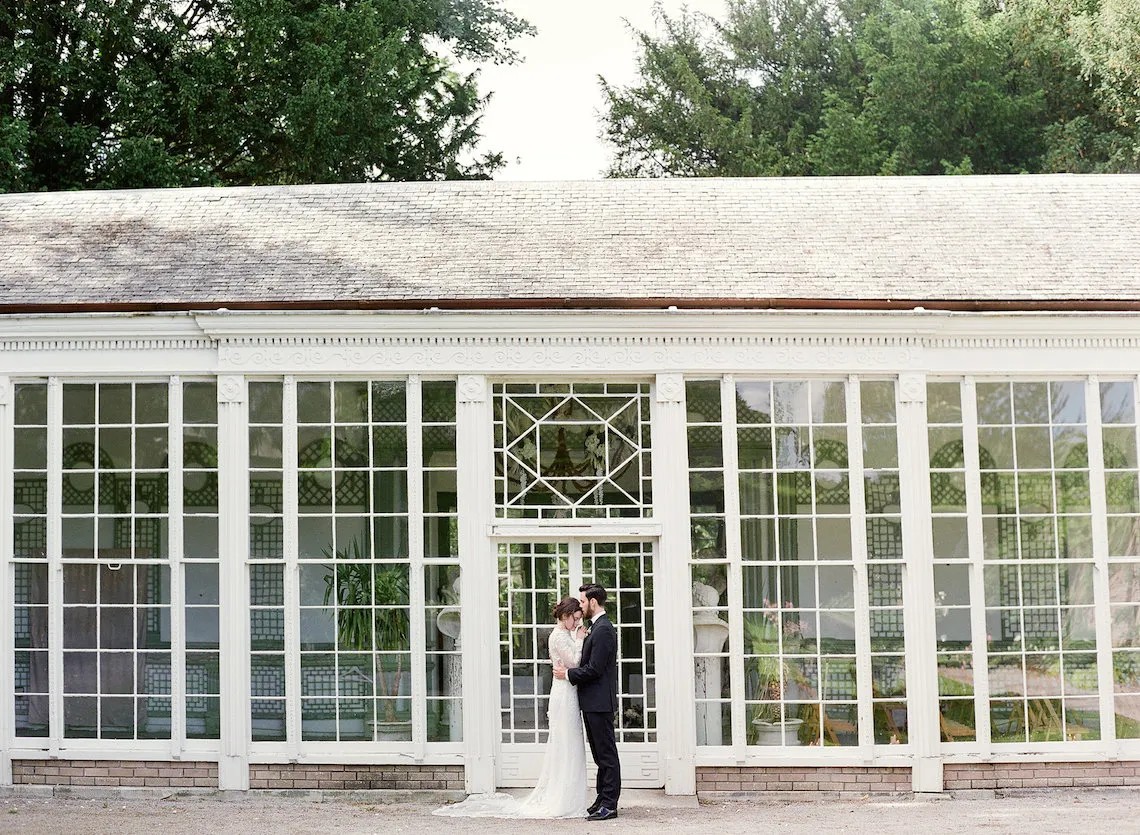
(559, 672)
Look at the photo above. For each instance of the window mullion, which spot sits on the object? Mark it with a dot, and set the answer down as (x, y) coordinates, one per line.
(1098, 503)
(290, 573)
(418, 658)
(55, 564)
(971, 459)
(859, 564)
(735, 571)
(174, 482)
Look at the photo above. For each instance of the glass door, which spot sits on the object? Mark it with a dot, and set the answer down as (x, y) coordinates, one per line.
(533, 577)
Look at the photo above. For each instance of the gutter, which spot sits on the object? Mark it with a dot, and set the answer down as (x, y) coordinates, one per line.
(591, 303)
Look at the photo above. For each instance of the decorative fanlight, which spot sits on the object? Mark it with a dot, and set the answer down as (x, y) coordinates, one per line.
(582, 476)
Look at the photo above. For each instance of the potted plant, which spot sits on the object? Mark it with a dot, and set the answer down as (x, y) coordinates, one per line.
(357, 585)
(772, 674)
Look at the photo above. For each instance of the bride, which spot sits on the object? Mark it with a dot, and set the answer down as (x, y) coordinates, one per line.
(561, 788)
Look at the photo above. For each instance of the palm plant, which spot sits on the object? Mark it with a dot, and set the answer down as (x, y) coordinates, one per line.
(771, 671)
(359, 587)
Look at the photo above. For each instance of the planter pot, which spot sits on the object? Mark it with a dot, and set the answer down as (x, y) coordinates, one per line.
(778, 733)
(400, 731)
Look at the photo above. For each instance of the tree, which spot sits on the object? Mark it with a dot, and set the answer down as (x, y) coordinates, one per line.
(941, 94)
(107, 93)
(884, 87)
(1106, 38)
(733, 99)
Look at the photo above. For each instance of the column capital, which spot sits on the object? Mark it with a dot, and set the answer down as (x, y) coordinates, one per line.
(471, 388)
(912, 387)
(231, 388)
(670, 388)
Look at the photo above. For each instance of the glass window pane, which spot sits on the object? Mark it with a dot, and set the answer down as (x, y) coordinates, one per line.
(878, 401)
(1117, 402)
(944, 402)
(753, 403)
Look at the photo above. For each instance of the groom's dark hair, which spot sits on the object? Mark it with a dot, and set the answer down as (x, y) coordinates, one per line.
(594, 592)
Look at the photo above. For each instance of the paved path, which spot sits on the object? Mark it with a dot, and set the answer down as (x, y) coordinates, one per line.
(1072, 812)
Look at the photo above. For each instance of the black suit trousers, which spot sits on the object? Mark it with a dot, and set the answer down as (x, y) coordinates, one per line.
(603, 747)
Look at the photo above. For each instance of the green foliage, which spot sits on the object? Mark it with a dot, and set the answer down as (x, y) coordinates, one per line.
(230, 92)
(883, 87)
(768, 668)
(370, 613)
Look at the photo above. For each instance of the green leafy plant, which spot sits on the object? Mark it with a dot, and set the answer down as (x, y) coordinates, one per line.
(771, 671)
(358, 585)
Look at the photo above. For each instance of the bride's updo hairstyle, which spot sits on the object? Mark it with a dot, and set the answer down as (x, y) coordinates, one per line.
(568, 606)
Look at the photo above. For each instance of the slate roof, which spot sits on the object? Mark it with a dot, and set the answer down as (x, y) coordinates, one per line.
(1012, 241)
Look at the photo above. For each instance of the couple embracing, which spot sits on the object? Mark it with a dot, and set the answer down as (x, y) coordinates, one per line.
(584, 692)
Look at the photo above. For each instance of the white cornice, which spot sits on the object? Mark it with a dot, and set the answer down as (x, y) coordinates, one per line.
(633, 330)
(666, 327)
(101, 331)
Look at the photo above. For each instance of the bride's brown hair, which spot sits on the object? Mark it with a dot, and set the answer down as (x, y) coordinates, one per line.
(568, 606)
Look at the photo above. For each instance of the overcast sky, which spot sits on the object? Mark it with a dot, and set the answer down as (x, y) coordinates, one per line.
(544, 112)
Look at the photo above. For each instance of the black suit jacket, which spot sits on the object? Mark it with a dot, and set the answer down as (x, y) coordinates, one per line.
(596, 673)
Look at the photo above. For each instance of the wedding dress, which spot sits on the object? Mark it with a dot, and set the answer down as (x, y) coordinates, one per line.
(561, 788)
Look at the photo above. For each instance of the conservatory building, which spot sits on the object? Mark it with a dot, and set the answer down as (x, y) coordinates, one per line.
(291, 479)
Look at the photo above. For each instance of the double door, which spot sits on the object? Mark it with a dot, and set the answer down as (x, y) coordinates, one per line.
(533, 577)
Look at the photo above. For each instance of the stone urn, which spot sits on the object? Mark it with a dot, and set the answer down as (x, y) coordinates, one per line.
(449, 623)
(778, 733)
(709, 635)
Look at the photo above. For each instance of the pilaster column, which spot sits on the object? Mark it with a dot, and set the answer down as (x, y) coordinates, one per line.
(233, 523)
(918, 586)
(7, 698)
(676, 723)
(478, 587)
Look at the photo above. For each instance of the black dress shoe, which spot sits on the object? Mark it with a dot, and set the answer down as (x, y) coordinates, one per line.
(603, 814)
(593, 807)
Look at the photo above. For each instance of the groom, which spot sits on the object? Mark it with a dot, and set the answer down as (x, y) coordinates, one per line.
(596, 680)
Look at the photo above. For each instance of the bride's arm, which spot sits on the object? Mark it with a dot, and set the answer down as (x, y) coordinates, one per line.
(561, 646)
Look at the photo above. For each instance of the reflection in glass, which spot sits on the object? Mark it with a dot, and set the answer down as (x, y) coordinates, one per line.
(1117, 402)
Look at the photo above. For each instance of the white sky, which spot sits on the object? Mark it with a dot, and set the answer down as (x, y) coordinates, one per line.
(544, 112)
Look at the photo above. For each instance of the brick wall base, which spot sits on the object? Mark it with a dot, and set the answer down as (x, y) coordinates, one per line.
(825, 778)
(310, 776)
(114, 773)
(960, 776)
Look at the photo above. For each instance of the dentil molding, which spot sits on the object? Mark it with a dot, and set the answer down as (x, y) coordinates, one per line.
(560, 354)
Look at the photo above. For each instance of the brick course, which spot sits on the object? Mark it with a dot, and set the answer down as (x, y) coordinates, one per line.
(859, 779)
(311, 776)
(1023, 775)
(112, 773)
(956, 777)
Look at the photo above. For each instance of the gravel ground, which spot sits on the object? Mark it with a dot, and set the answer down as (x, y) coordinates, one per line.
(1039, 812)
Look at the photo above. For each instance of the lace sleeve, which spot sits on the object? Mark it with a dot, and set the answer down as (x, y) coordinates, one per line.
(564, 649)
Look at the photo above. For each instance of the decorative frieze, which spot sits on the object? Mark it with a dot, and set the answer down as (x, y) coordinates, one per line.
(559, 355)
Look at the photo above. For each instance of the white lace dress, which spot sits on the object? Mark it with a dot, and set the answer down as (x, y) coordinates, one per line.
(560, 791)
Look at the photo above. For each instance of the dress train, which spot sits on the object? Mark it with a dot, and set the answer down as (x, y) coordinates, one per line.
(560, 791)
